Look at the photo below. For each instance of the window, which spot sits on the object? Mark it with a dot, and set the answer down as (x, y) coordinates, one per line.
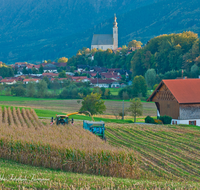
(102, 47)
(192, 122)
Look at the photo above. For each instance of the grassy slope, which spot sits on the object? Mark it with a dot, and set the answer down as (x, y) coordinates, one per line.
(62, 180)
(168, 151)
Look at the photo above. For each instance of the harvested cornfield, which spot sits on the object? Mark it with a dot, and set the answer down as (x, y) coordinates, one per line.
(169, 152)
(152, 152)
(70, 148)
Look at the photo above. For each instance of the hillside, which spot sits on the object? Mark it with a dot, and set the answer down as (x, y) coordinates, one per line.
(33, 25)
(37, 30)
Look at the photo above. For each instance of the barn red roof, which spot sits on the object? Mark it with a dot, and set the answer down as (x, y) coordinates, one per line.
(184, 90)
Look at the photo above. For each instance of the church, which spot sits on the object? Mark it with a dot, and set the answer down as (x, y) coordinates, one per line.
(106, 41)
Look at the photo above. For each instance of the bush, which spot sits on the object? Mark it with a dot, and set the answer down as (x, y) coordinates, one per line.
(157, 121)
(149, 119)
(165, 119)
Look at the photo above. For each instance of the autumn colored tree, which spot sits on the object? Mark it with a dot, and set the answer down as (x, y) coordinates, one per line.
(135, 44)
(63, 60)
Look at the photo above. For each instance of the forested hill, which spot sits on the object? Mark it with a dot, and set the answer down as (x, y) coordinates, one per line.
(41, 29)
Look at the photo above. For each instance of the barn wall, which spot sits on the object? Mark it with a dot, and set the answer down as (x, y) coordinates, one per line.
(169, 108)
(189, 111)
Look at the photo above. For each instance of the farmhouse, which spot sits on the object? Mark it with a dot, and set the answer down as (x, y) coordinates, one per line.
(180, 99)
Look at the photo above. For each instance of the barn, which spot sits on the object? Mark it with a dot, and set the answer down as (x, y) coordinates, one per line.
(180, 99)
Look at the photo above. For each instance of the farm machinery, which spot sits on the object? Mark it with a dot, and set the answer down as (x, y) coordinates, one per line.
(64, 119)
(97, 128)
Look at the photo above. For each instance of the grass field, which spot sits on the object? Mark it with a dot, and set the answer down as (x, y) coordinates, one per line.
(19, 176)
(69, 106)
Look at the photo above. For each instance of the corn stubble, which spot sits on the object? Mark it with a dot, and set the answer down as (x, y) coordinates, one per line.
(23, 138)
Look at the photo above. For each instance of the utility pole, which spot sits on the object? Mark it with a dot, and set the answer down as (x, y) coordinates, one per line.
(123, 110)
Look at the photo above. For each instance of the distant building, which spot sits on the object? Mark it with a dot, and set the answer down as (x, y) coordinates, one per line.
(104, 83)
(106, 41)
(180, 99)
(8, 81)
(26, 81)
(50, 68)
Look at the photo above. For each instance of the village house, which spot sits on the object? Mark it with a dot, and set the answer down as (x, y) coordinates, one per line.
(104, 83)
(80, 79)
(50, 68)
(26, 81)
(180, 99)
(50, 74)
(8, 81)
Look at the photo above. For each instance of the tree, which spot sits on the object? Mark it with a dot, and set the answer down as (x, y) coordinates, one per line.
(62, 75)
(63, 60)
(195, 70)
(41, 69)
(135, 108)
(150, 77)
(24, 71)
(1, 88)
(135, 44)
(34, 70)
(31, 90)
(93, 103)
(42, 88)
(139, 86)
(19, 90)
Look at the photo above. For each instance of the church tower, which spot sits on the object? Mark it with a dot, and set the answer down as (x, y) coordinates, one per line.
(115, 33)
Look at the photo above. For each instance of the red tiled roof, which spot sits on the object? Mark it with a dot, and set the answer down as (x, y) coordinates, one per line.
(184, 90)
(52, 79)
(8, 80)
(37, 66)
(27, 80)
(50, 74)
(81, 77)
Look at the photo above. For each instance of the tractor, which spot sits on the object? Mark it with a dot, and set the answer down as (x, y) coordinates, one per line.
(97, 128)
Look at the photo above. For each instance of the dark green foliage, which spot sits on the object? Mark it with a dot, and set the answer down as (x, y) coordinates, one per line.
(139, 86)
(165, 119)
(149, 119)
(18, 91)
(167, 52)
(6, 72)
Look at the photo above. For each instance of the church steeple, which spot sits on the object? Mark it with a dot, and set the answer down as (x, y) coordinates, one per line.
(115, 21)
(115, 32)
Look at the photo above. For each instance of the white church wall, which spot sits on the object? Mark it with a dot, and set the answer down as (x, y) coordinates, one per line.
(103, 47)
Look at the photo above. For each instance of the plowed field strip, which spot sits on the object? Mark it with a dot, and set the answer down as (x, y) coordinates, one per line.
(147, 157)
(163, 149)
(160, 153)
(191, 153)
(185, 141)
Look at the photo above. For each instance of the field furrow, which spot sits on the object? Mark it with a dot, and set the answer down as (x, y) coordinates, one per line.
(159, 152)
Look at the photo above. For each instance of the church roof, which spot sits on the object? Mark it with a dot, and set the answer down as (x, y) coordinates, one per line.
(102, 39)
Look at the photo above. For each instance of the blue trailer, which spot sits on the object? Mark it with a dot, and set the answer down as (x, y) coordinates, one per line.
(97, 128)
